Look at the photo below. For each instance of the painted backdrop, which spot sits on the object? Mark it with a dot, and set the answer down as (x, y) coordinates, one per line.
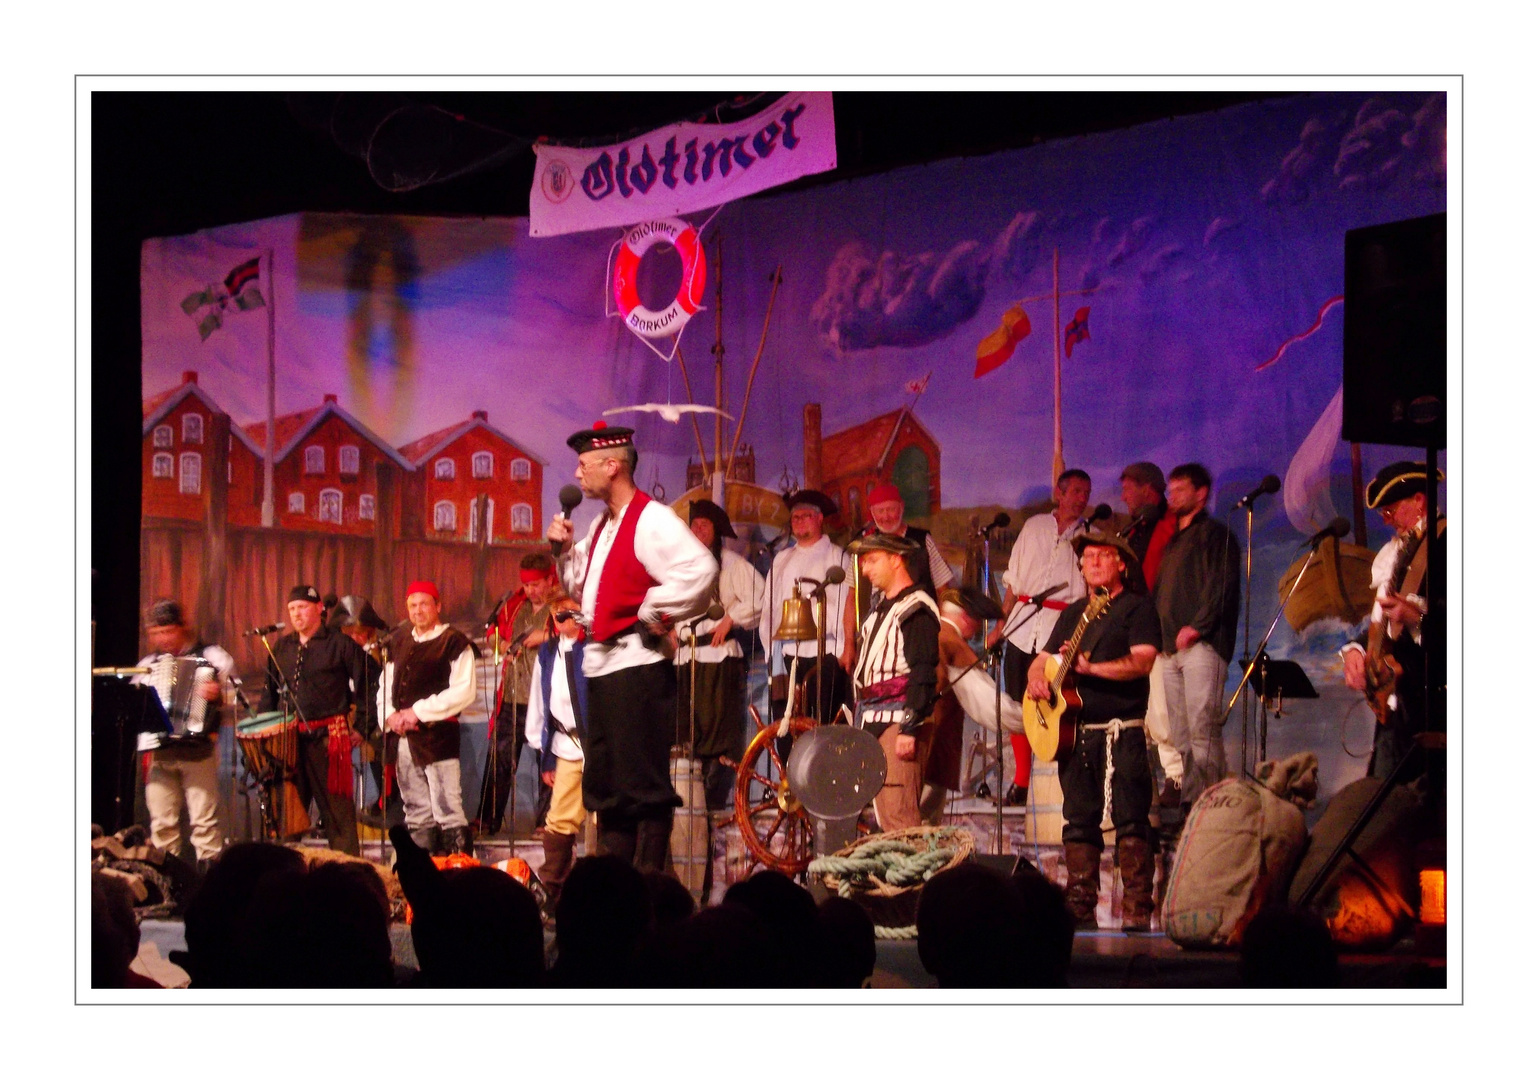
(1196, 266)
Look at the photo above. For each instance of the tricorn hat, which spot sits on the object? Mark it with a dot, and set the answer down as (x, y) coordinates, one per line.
(888, 542)
(704, 508)
(355, 611)
(974, 602)
(1397, 481)
(600, 437)
(812, 497)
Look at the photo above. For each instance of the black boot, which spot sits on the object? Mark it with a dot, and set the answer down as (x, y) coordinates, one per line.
(459, 841)
(652, 837)
(617, 838)
(1083, 862)
(429, 838)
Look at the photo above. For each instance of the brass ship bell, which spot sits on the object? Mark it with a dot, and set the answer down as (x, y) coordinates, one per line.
(797, 622)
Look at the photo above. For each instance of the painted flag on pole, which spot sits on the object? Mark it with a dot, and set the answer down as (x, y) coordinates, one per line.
(917, 386)
(1076, 331)
(1000, 345)
(209, 305)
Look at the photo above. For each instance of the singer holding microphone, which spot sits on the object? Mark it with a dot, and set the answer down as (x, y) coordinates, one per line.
(638, 572)
(1042, 557)
(316, 674)
(1197, 595)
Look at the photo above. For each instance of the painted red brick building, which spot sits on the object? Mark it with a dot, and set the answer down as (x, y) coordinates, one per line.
(457, 467)
(177, 453)
(893, 447)
(325, 476)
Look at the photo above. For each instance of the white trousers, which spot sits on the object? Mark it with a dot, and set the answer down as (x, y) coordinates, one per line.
(174, 782)
(430, 793)
(1193, 693)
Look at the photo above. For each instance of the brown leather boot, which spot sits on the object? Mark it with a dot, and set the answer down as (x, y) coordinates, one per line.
(559, 851)
(1083, 862)
(1135, 855)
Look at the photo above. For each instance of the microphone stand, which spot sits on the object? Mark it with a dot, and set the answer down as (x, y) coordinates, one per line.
(1244, 680)
(1034, 604)
(694, 703)
(276, 777)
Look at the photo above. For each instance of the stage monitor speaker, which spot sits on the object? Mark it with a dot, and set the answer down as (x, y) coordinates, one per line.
(1395, 373)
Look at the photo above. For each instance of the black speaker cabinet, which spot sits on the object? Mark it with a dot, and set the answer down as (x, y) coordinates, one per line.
(1395, 373)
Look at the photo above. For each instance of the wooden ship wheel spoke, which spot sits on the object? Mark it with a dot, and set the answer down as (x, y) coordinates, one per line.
(776, 829)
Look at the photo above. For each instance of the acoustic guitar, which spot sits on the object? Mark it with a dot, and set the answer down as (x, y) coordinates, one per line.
(1051, 726)
(1382, 670)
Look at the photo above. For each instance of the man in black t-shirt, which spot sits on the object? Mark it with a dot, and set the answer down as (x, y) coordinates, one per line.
(1111, 673)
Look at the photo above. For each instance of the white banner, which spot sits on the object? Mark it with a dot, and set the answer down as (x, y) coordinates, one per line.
(680, 168)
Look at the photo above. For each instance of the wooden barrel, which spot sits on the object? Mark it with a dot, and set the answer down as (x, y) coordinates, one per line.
(690, 846)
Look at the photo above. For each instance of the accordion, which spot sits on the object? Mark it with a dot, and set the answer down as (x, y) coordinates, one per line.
(177, 680)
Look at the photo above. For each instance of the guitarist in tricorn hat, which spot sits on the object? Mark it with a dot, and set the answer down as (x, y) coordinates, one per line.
(1110, 670)
(1388, 662)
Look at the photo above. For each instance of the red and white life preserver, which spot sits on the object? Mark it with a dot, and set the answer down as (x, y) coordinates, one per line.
(640, 239)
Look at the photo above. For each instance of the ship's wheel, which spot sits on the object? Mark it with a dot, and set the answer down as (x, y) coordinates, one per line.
(776, 829)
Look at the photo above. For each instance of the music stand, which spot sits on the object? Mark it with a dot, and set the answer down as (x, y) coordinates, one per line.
(1270, 677)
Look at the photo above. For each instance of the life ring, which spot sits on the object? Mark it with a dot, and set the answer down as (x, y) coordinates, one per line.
(640, 239)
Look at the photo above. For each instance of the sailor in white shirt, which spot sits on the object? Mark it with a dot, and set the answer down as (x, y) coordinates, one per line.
(811, 556)
(1041, 558)
(711, 667)
(638, 573)
(427, 682)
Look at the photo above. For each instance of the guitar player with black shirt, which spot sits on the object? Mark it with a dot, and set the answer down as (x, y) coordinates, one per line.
(1110, 672)
(1395, 630)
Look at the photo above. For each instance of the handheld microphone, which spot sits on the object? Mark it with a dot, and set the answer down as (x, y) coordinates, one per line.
(1337, 528)
(263, 631)
(1269, 486)
(571, 498)
(1102, 512)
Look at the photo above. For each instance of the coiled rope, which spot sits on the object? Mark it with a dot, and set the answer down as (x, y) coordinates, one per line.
(893, 862)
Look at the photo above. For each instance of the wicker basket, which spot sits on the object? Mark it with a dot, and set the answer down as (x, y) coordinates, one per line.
(898, 905)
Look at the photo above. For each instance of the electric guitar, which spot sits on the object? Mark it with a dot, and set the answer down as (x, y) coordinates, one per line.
(1051, 726)
(1382, 670)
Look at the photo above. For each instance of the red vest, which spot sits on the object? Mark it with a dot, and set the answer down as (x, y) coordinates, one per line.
(624, 581)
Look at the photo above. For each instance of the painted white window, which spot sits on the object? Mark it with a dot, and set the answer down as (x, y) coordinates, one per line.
(296, 502)
(314, 460)
(523, 518)
(480, 465)
(163, 466)
(444, 518)
(520, 468)
(347, 460)
(443, 469)
(163, 437)
(365, 508)
(192, 474)
(330, 508)
(192, 427)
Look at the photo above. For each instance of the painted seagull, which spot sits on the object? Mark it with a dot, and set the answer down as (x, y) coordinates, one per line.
(671, 413)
